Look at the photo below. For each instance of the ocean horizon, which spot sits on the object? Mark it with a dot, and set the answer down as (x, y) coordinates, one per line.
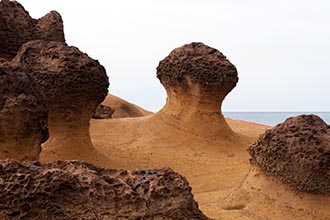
(272, 118)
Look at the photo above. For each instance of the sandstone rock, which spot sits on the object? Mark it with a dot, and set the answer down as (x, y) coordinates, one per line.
(123, 108)
(296, 152)
(103, 112)
(197, 78)
(77, 190)
(23, 115)
(74, 85)
(17, 27)
(197, 63)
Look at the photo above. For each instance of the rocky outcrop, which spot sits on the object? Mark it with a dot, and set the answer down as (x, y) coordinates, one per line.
(197, 78)
(74, 85)
(17, 27)
(296, 152)
(77, 190)
(23, 115)
(103, 112)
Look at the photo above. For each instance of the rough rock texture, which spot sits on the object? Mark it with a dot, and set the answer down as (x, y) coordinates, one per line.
(74, 85)
(103, 112)
(77, 190)
(297, 152)
(23, 115)
(197, 78)
(17, 28)
(203, 64)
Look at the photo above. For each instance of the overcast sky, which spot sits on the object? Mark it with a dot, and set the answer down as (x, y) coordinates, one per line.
(281, 48)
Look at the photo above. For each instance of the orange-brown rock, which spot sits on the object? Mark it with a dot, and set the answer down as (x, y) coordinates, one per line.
(17, 27)
(23, 115)
(78, 190)
(197, 78)
(296, 152)
(74, 85)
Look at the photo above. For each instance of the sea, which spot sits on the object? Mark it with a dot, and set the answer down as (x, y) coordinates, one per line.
(272, 118)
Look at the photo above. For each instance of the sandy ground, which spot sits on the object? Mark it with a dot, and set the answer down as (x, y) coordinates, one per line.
(212, 166)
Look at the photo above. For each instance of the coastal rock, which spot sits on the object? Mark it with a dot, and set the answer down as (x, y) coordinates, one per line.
(78, 190)
(197, 63)
(74, 85)
(296, 152)
(17, 27)
(23, 115)
(197, 78)
(103, 112)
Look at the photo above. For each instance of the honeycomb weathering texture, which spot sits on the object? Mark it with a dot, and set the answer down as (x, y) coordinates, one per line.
(17, 28)
(203, 64)
(74, 83)
(78, 190)
(23, 115)
(297, 152)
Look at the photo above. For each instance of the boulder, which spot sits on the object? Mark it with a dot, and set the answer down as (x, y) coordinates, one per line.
(78, 190)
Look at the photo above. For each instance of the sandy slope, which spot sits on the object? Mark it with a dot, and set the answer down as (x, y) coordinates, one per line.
(123, 108)
(212, 165)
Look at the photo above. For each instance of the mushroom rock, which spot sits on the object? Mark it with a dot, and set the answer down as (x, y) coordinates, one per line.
(74, 85)
(23, 115)
(290, 166)
(78, 190)
(197, 78)
(17, 27)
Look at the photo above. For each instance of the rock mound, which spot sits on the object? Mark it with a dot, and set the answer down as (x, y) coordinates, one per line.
(77, 190)
(74, 85)
(17, 27)
(23, 115)
(123, 108)
(296, 152)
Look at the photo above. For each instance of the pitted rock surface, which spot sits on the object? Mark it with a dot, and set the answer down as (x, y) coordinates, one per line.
(74, 83)
(203, 64)
(297, 152)
(23, 115)
(78, 190)
(17, 27)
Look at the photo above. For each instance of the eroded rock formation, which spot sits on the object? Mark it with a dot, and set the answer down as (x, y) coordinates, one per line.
(197, 78)
(297, 152)
(77, 190)
(17, 27)
(74, 85)
(23, 115)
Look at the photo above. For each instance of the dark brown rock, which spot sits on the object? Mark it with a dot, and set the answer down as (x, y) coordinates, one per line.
(103, 112)
(74, 83)
(296, 152)
(17, 27)
(23, 115)
(202, 64)
(77, 190)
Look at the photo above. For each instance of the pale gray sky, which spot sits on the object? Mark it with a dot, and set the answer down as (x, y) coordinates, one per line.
(281, 48)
